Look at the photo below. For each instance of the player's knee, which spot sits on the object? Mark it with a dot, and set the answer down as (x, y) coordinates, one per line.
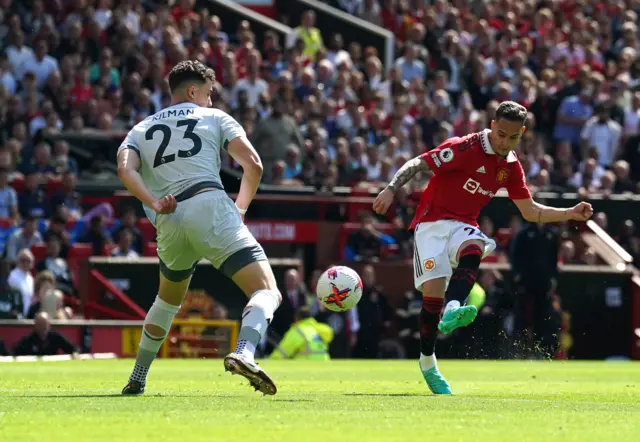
(470, 254)
(255, 277)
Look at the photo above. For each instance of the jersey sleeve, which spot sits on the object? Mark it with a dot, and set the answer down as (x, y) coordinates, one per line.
(517, 184)
(229, 129)
(445, 158)
(130, 142)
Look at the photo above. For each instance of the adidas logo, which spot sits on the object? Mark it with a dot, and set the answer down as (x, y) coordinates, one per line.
(481, 170)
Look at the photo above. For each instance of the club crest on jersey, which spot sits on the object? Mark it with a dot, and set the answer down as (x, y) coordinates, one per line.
(446, 155)
(429, 264)
(502, 175)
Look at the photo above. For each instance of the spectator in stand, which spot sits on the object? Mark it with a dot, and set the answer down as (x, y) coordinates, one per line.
(53, 305)
(41, 162)
(129, 221)
(42, 64)
(272, 136)
(309, 34)
(66, 201)
(32, 201)
(374, 314)
(573, 113)
(44, 284)
(629, 240)
(20, 278)
(97, 235)
(61, 159)
(56, 264)
(8, 197)
(604, 134)
(365, 243)
(11, 306)
(294, 296)
(44, 341)
(23, 238)
(58, 229)
(18, 54)
(124, 249)
(623, 181)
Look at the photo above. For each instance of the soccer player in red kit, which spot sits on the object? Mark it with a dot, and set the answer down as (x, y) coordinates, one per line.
(449, 246)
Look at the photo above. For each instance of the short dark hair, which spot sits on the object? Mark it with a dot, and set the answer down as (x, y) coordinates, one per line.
(511, 111)
(189, 71)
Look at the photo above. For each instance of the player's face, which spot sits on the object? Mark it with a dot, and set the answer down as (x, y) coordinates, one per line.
(506, 135)
(201, 94)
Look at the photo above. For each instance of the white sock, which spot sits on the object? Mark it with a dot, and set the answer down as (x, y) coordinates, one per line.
(426, 362)
(452, 305)
(161, 315)
(256, 318)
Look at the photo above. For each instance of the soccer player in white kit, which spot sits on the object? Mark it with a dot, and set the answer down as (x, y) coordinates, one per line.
(171, 162)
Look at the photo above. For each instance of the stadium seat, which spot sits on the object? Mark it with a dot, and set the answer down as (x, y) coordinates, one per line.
(39, 252)
(53, 185)
(147, 230)
(151, 249)
(107, 249)
(18, 184)
(77, 253)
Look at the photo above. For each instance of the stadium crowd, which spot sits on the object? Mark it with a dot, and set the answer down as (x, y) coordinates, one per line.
(319, 113)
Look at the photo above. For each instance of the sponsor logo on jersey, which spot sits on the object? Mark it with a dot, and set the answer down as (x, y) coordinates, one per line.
(481, 169)
(429, 264)
(502, 175)
(472, 186)
(436, 160)
(446, 155)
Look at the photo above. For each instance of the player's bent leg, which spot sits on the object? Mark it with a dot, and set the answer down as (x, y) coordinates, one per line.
(432, 302)
(250, 270)
(462, 280)
(157, 323)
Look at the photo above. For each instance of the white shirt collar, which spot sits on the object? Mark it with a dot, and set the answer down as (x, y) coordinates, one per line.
(486, 146)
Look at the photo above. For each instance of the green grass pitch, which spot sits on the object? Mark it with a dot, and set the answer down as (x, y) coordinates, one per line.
(194, 400)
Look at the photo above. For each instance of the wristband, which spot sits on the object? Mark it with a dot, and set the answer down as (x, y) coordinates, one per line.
(241, 211)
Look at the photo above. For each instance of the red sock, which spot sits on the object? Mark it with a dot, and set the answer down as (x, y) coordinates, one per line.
(429, 318)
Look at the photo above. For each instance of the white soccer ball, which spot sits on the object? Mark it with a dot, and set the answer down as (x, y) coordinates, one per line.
(339, 288)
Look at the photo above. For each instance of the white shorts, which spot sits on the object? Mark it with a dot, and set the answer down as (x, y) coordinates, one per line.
(208, 226)
(436, 246)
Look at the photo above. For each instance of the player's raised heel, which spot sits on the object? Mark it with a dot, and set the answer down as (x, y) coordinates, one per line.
(457, 317)
(256, 376)
(133, 388)
(436, 383)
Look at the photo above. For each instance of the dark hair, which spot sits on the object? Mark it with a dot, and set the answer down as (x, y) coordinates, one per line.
(189, 71)
(511, 111)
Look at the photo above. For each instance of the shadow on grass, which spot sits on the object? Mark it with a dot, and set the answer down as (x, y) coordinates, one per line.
(385, 394)
(292, 400)
(118, 395)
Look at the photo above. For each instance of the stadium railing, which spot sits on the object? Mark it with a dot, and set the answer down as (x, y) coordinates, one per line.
(189, 336)
(331, 20)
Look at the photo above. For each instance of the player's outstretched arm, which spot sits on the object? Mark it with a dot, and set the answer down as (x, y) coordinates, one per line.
(538, 213)
(241, 150)
(410, 169)
(128, 166)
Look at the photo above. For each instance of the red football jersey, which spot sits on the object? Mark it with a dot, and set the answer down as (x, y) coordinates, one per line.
(468, 173)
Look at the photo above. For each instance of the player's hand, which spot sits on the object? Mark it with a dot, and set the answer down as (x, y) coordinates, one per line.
(383, 202)
(581, 211)
(165, 205)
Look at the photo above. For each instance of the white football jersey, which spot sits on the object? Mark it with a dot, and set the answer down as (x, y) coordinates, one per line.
(179, 148)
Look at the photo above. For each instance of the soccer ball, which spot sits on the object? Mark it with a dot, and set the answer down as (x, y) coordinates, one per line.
(339, 288)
